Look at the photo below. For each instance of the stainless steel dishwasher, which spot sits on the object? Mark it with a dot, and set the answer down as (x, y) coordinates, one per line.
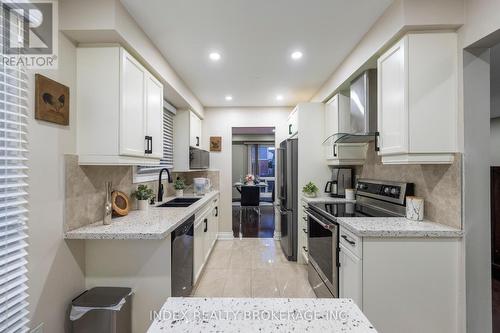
(182, 259)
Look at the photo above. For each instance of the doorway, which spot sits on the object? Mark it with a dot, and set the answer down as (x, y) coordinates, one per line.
(253, 153)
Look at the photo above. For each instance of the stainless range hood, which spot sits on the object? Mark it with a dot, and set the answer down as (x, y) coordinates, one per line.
(363, 106)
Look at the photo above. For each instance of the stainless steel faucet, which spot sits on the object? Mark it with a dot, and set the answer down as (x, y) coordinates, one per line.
(160, 185)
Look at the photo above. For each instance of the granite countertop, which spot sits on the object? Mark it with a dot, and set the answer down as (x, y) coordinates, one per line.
(260, 315)
(325, 198)
(389, 226)
(155, 223)
(397, 227)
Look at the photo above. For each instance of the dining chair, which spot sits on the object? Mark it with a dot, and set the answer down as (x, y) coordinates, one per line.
(250, 199)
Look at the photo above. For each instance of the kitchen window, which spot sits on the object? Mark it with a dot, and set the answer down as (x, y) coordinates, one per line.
(261, 163)
(13, 198)
(149, 173)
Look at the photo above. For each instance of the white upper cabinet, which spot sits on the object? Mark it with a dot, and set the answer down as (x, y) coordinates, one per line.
(417, 100)
(338, 120)
(293, 123)
(154, 115)
(120, 109)
(189, 134)
(194, 130)
(337, 115)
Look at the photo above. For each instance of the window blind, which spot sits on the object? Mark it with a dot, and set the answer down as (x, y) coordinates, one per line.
(167, 160)
(13, 197)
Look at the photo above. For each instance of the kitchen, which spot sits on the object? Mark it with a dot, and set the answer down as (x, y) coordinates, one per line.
(135, 190)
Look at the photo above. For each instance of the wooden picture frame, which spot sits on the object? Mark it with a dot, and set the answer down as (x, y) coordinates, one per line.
(216, 143)
(51, 101)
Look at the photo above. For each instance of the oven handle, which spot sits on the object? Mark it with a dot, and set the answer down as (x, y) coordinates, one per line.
(324, 225)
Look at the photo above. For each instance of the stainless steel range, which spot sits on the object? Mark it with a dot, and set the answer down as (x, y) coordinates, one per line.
(374, 198)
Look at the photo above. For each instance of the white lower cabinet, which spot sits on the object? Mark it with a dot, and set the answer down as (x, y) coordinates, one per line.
(350, 276)
(206, 228)
(397, 281)
(198, 256)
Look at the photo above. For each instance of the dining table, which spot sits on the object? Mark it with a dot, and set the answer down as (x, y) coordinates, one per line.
(238, 185)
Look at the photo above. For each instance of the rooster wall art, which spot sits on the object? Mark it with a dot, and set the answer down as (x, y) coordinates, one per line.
(52, 100)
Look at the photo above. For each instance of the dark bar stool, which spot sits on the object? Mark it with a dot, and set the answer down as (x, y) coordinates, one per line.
(250, 199)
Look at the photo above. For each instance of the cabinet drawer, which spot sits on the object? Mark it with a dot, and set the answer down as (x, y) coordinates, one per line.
(352, 242)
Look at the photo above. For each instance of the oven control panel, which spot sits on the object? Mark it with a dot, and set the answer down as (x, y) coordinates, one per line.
(390, 191)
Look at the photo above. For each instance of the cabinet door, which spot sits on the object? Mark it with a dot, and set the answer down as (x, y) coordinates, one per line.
(332, 117)
(350, 276)
(154, 116)
(132, 110)
(199, 245)
(293, 123)
(206, 237)
(392, 100)
(194, 130)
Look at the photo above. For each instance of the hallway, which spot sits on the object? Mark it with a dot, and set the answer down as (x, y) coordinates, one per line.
(252, 267)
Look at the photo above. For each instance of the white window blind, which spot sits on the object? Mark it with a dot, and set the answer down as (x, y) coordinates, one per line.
(168, 144)
(13, 194)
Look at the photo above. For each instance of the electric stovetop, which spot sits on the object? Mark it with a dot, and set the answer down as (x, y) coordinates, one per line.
(349, 209)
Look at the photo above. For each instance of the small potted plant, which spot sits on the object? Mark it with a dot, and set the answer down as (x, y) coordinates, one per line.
(143, 194)
(310, 190)
(179, 186)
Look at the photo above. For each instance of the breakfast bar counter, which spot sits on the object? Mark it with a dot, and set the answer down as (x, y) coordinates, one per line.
(260, 315)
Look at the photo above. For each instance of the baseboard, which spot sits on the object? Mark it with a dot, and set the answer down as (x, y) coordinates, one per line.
(225, 236)
(277, 235)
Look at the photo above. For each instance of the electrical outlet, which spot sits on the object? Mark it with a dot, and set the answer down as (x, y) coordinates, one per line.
(38, 329)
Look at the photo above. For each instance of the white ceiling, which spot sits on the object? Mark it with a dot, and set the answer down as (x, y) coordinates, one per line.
(255, 39)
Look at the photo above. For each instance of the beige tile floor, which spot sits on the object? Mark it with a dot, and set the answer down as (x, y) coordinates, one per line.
(252, 267)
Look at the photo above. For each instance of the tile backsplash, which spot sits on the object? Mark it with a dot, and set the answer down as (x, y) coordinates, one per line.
(438, 184)
(85, 192)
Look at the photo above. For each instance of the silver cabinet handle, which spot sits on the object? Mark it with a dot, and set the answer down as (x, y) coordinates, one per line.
(324, 225)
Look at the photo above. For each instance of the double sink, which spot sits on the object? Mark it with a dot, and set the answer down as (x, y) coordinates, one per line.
(179, 202)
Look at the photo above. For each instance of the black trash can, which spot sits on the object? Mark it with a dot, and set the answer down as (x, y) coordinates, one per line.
(102, 310)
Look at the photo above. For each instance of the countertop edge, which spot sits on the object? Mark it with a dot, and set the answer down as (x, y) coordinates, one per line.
(75, 235)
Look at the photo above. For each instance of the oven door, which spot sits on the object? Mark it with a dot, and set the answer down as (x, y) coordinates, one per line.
(323, 247)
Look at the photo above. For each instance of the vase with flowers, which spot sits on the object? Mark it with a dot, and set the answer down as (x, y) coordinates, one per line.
(249, 179)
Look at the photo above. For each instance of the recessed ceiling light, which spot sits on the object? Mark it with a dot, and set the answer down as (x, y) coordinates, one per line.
(296, 55)
(214, 56)
(279, 97)
(229, 98)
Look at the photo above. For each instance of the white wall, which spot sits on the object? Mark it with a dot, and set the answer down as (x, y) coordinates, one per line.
(219, 122)
(495, 141)
(56, 267)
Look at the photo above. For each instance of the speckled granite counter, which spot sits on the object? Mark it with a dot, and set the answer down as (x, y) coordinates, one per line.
(397, 227)
(389, 226)
(155, 223)
(325, 198)
(260, 315)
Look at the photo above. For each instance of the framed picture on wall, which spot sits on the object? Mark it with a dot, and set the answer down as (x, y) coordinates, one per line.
(215, 143)
(51, 100)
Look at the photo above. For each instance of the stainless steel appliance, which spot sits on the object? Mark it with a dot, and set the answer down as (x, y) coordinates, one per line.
(341, 179)
(363, 109)
(288, 196)
(182, 259)
(198, 158)
(373, 198)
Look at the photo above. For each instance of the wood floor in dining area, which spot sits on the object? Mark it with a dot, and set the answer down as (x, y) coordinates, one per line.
(250, 224)
(252, 267)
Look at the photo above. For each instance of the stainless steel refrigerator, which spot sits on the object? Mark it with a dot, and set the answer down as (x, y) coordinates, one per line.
(287, 196)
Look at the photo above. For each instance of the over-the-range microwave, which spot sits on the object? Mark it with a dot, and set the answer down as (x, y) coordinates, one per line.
(198, 158)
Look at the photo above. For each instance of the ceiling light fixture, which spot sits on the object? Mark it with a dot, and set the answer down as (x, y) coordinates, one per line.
(214, 56)
(229, 98)
(279, 97)
(296, 55)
